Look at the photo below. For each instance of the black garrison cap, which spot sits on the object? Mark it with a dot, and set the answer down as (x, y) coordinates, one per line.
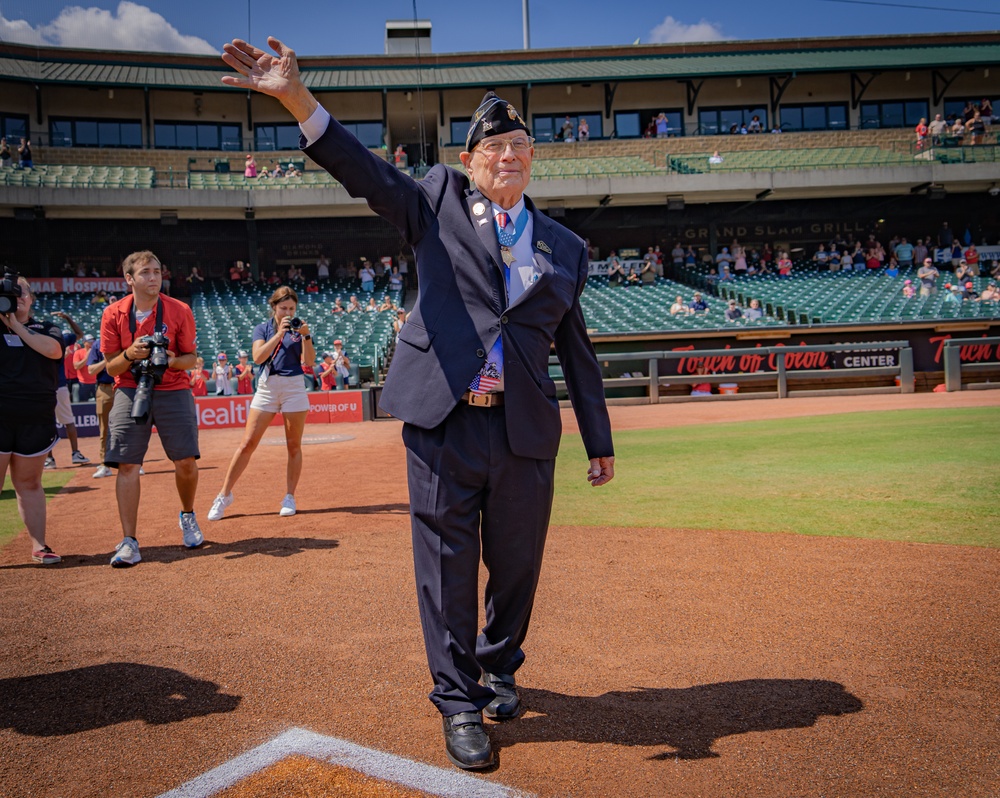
(493, 116)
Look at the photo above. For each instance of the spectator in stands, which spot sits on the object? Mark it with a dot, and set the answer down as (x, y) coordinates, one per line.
(250, 168)
(399, 157)
(662, 125)
(990, 294)
(712, 278)
(986, 111)
(647, 272)
(977, 128)
(371, 306)
(846, 261)
(616, 272)
(723, 258)
(196, 283)
(928, 275)
(5, 159)
(322, 267)
(312, 287)
(243, 373)
(739, 260)
(342, 363)
(281, 352)
(821, 256)
(277, 171)
(223, 376)
(953, 293)
(566, 132)
(784, 266)
(24, 155)
(733, 312)
(690, 256)
(583, 130)
(715, 159)
(353, 306)
(972, 259)
(367, 275)
(725, 274)
(88, 381)
(969, 292)
(892, 267)
(679, 308)
(387, 303)
(167, 276)
(873, 261)
(399, 321)
(338, 306)
(327, 373)
(698, 304)
(235, 272)
(905, 253)
(754, 312)
(919, 251)
(395, 280)
(701, 388)
(921, 131)
(198, 377)
(963, 272)
(937, 129)
(957, 253)
(958, 131)
(677, 255)
(908, 290)
(755, 125)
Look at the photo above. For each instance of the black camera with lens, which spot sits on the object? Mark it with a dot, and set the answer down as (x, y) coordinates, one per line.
(295, 323)
(10, 291)
(148, 373)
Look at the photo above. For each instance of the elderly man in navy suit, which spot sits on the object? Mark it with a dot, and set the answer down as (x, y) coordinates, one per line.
(499, 283)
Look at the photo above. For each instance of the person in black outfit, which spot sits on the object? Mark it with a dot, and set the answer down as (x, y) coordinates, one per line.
(31, 355)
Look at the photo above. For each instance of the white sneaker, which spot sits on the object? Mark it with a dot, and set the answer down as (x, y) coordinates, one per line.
(102, 471)
(142, 473)
(287, 505)
(79, 458)
(50, 463)
(126, 554)
(192, 534)
(219, 507)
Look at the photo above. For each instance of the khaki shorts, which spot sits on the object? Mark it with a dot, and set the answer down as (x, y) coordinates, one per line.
(176, 420)
(64, 410)
(277, 394)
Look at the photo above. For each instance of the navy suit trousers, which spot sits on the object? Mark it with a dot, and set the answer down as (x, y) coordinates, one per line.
(471, 497)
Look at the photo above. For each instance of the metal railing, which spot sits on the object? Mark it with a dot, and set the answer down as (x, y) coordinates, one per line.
(953, 365)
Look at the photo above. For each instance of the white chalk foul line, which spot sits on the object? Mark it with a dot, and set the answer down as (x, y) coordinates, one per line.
(379, 765)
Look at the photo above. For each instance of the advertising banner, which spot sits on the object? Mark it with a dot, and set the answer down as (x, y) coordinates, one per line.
(79, 285)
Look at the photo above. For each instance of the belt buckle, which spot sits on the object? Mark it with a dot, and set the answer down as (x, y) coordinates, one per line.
(480, 400)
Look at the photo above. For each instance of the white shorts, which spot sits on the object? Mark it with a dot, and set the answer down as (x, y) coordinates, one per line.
(277, 394)
(64, 410)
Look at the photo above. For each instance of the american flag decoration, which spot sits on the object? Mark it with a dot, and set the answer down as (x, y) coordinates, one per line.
(486, 380)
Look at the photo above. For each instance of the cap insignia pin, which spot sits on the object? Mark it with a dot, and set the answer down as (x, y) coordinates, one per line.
(543, 247)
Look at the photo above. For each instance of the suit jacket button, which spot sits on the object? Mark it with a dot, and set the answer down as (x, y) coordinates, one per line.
(503, 319)
(480, 353)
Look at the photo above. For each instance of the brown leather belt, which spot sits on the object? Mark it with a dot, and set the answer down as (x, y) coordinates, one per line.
(483, 400)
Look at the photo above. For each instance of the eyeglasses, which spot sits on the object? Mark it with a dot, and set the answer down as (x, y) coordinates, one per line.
(493, 146)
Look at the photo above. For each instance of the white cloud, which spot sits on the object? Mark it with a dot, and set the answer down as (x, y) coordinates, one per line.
(130, 27)
(671, 30)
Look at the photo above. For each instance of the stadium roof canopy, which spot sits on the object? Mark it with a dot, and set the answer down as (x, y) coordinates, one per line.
(440, 71)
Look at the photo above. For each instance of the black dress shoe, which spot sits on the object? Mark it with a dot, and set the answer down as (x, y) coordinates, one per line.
(506, 705)
(466, 742)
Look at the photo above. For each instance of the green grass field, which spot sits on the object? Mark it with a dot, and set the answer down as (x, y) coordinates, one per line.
(926, 476)
(10, 521)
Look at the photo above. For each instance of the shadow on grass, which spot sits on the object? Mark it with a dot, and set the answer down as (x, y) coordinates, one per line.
(689, 720)
(83, 699)
(371, 509)
(237, 549)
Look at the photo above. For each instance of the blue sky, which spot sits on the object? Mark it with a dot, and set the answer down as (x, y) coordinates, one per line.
(338, 27)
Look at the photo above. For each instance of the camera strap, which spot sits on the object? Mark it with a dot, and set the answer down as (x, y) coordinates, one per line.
(266, 366)
(157, 323)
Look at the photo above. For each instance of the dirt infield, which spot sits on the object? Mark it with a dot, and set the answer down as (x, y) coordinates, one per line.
(661, 662)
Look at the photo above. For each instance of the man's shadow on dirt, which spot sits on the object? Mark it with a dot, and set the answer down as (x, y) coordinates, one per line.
(234, 550)
(689, 719)
(83, 699)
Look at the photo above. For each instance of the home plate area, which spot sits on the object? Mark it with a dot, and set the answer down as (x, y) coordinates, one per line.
(305, 763)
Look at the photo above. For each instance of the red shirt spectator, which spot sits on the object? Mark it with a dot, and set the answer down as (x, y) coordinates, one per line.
(80, 364)
(199, 382)
(244, 375)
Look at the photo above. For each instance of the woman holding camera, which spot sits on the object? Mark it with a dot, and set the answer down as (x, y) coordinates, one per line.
(31, 355)
(280, 347)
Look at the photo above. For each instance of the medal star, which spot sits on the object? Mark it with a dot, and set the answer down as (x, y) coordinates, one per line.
(508, 256)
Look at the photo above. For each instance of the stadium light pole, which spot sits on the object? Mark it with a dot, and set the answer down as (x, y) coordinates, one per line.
(526, 27)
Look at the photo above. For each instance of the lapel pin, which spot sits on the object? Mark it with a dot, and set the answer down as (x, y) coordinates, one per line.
(479, 209)
(543, 247)
(482, 221)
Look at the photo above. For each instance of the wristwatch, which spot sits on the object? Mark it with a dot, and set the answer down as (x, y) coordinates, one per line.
(307, 337)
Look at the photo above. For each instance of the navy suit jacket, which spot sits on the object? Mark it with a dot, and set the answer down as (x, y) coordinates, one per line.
(462, 304)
